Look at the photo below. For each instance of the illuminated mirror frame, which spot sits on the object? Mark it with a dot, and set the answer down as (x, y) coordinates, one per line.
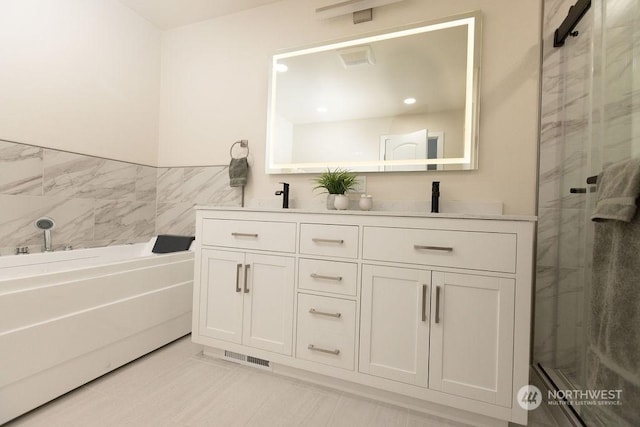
(469, 161)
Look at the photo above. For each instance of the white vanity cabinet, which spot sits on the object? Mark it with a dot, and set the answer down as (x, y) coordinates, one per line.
(246, 298)
(326, 330)
(471, 316)
(472, 338)
(394, 331)
(434, 309)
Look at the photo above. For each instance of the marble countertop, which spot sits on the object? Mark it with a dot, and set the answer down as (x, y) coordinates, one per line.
(529, 218)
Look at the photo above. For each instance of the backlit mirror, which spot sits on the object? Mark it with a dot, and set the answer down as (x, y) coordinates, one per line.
(404, 100)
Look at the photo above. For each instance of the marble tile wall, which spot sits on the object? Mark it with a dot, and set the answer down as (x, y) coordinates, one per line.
(99, 202)
(564, 154)
(590, 111)
(180, 189)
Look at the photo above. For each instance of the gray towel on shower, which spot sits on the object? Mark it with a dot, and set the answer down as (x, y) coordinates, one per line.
(618, 188)
(613, 351)
(238, 172)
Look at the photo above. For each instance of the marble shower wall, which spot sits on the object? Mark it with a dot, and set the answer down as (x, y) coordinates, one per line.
(590, 117)
(99, 202)
(617, 105)
(564, 155)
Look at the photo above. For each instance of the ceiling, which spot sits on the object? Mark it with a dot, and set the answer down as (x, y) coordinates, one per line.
(430, 67)
(167, 14)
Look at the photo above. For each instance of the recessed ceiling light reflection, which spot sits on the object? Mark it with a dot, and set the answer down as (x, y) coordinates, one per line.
(321, 109)
(281, 68)
(410, 101)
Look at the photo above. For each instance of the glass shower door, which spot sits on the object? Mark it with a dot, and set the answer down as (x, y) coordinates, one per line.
(590, 119)
(615, 138)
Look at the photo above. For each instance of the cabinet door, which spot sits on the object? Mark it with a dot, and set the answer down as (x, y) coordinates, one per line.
(472, 336)
(221, 295)
(268, 304)
(394, 331)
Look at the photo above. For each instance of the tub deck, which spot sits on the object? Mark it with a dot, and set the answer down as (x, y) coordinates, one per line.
(68, 318)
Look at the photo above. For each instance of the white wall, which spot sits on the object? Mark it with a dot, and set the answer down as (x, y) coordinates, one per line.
(80, 75)
(215, 78)
(359, 140)
(343, 140)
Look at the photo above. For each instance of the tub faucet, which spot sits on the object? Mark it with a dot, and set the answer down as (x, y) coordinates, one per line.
(46, 224)
(285, 195)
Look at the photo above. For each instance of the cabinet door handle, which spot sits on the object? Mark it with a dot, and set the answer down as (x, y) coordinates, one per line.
(254, 235)
(321, 276)
(424, 303)
(238, 267)
(337, 241)
(322, 313)
(246, 275)
(323, 350)
(433, 248)
(437, 316)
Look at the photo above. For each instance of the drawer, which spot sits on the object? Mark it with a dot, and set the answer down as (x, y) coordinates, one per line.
(328, 276)
(329, 240)
(326, 330)
(261, 235)
(447, 248)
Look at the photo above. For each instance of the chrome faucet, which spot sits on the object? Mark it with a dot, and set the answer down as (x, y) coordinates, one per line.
(46, 224)
(285, 195)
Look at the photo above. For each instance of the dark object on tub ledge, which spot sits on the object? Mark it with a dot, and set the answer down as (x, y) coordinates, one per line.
(166, 243)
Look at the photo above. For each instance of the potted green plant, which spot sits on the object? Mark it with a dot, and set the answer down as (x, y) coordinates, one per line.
(336, 182)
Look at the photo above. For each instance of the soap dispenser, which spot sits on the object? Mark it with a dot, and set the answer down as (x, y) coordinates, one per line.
(435, 197)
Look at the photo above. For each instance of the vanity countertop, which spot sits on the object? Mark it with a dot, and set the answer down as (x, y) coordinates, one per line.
(529, 218)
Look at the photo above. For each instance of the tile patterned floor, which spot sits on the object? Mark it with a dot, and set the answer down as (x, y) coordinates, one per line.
(178, 386)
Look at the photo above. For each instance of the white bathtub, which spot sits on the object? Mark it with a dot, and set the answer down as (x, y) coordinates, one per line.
(69, 317)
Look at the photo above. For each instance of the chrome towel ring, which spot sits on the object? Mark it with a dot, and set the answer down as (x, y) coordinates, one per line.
(243, 144)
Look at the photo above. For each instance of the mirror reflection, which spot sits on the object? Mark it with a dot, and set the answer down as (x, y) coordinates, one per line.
(397, 101)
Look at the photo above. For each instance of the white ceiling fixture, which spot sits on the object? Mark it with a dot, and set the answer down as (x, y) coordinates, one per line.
(167, 14)
(357, 55)
(331, 9)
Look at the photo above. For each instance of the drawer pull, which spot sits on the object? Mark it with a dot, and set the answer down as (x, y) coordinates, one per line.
(320, 276)
(433, 248)
(336, 241)
(437, 317)
(254, 235)
(246, 275)
(323, 350)
(238, 268)
(424, 303)
(322, 313)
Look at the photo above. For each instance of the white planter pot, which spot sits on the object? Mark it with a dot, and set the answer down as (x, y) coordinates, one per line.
(341, 202)
(331, 200)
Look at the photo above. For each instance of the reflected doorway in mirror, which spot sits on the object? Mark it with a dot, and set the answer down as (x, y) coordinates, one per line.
(421, 144)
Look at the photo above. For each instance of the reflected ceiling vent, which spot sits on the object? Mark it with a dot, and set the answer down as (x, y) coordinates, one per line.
(356, 56)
